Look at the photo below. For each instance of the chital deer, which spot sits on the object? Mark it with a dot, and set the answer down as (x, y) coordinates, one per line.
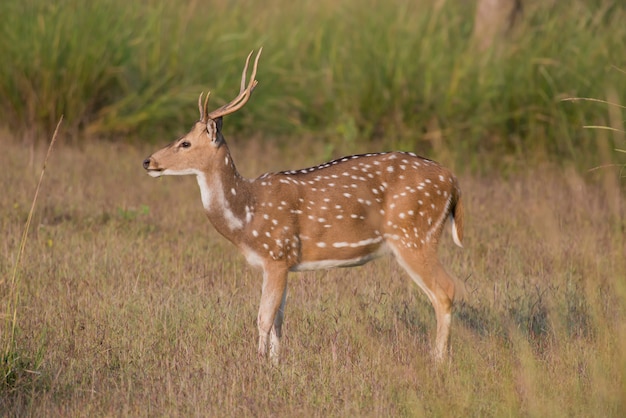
(342, 213)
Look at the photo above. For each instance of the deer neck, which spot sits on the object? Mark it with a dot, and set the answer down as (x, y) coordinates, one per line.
(226, 195)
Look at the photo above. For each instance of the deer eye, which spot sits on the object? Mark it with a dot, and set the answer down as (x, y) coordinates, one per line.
(185, 144)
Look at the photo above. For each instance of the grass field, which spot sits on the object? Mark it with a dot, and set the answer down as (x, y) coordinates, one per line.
(131, 304)
(127, 302)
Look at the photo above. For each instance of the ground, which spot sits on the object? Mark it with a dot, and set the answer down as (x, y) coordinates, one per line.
(131, 304)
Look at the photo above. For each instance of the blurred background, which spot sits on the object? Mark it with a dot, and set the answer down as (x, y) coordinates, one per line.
(472, 79)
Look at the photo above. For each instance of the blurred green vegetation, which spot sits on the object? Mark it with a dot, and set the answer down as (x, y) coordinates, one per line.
(403, 73)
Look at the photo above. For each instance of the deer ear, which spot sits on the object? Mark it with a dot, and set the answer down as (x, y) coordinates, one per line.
(213, 128)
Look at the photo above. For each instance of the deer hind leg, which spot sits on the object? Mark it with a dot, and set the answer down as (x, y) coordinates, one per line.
(426, 270)
(271, 311)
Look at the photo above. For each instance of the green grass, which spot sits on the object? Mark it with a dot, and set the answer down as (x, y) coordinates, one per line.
(131, 304)
(400, 73)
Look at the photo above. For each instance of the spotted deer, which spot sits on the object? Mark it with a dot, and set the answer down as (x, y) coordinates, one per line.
(342, 213)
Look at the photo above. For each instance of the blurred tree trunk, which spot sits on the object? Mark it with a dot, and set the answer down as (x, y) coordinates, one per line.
(494, 19)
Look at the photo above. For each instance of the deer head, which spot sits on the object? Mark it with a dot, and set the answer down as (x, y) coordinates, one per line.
(194, 153)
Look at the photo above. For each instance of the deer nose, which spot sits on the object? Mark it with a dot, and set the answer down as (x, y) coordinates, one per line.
(146, 163)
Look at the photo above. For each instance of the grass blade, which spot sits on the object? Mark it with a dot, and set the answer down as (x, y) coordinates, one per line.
(13, 284)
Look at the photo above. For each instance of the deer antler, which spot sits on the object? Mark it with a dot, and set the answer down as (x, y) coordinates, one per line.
(239, 101)
(202, 108)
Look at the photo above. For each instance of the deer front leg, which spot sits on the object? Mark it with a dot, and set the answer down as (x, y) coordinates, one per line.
(271, 311)
(276, 332)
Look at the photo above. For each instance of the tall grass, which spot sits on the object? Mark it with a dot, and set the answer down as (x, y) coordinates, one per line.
(392, 72)
(13, 283)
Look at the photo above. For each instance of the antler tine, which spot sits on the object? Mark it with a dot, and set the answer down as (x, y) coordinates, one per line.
(244, 92)
(202, 108)
(206, 101)
(243, 73)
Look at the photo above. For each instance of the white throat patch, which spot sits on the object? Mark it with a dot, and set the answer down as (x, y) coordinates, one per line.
(213, 198)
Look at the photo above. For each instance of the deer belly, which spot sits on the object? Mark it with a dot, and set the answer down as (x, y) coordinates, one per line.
(341, 254)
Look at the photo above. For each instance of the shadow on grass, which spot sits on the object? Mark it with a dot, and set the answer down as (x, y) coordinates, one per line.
(22, 379)
(528, 316)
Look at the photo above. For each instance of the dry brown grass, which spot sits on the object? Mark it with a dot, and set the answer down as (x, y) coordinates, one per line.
(131, 304)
